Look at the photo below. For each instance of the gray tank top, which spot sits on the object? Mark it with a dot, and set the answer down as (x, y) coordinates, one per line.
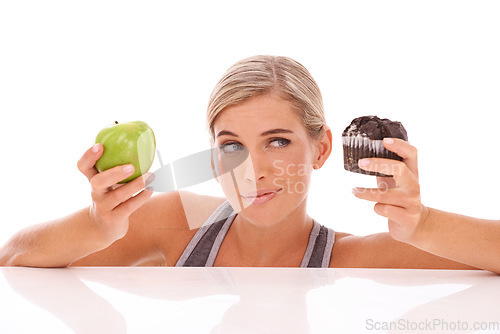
(204, 246)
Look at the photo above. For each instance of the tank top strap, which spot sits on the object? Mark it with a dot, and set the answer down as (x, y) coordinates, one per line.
(320, 246)
(204, 246)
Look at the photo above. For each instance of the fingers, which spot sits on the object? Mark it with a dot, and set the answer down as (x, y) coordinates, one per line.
(107, 181)
(112, 213)
(87, 161)
(394, 212)
(400, 172)
(397, 197)
(401, 147)
(126, 208)
(402, 222)
(101, 182)
(405, 150)
(401, 209)
(384, 182)
(108, 200)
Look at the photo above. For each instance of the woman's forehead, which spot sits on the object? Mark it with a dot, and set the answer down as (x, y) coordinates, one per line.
(257, 115)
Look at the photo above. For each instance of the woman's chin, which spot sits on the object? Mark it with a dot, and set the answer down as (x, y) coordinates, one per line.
(260, 220)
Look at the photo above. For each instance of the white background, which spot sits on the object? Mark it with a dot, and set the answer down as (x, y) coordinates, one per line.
(67, 69)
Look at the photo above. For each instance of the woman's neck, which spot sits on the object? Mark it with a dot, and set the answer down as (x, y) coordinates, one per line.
(279, 244)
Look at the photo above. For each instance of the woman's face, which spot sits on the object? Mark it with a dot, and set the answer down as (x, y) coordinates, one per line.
(279, 158)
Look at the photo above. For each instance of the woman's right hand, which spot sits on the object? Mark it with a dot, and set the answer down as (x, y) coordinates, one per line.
(112, 203)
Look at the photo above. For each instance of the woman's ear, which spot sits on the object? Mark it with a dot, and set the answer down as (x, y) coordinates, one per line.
(323, 147)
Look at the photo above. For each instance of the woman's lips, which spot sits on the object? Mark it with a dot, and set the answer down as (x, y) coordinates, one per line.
(266, 197)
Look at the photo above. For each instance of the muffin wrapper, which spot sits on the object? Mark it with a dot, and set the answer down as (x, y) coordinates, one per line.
(359, 147)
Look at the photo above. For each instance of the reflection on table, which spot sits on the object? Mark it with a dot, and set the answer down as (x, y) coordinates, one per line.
(247, 300)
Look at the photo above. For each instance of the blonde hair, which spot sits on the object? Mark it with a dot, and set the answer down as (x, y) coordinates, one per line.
(260, 75)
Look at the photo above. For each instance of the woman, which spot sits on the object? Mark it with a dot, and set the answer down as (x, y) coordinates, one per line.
(271, 108)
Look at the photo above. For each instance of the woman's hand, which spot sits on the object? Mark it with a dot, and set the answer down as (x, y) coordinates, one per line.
(397, 197)
(112, 203)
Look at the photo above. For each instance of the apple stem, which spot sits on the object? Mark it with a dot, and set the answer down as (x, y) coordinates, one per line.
(116, 122)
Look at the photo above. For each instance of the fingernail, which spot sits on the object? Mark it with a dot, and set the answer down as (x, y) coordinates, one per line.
(150, 189)
(150, 179)
(355, 191)
(364, 162)
(95, 148)
(389, 141)
(128, 169)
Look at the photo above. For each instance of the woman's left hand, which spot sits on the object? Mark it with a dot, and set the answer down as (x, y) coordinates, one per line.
(397, 197)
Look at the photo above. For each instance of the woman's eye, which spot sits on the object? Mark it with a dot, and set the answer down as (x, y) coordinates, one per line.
(233, 147)
(284, 142)
(229, 148)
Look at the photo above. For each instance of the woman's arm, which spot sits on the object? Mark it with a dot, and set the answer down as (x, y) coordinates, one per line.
(466, 239)
(55, 243)
(475, 242)
(62, 241)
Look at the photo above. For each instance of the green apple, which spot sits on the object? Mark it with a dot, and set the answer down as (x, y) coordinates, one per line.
(127, 143)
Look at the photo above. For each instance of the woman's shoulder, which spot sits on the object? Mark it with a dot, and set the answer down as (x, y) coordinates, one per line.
(377, 250)
(380, 250)
(197, 208)
(179, 215)
(353, 251)
(181, 210)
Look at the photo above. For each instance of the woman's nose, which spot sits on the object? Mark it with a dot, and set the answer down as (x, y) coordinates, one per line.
(255, 167)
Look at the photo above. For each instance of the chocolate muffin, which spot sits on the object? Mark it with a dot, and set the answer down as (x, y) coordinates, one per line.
(363, 139)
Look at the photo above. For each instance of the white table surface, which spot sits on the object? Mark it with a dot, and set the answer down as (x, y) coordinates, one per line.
(247, 300)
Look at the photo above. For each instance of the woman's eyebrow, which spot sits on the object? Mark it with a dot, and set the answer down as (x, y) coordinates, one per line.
(265, 133)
